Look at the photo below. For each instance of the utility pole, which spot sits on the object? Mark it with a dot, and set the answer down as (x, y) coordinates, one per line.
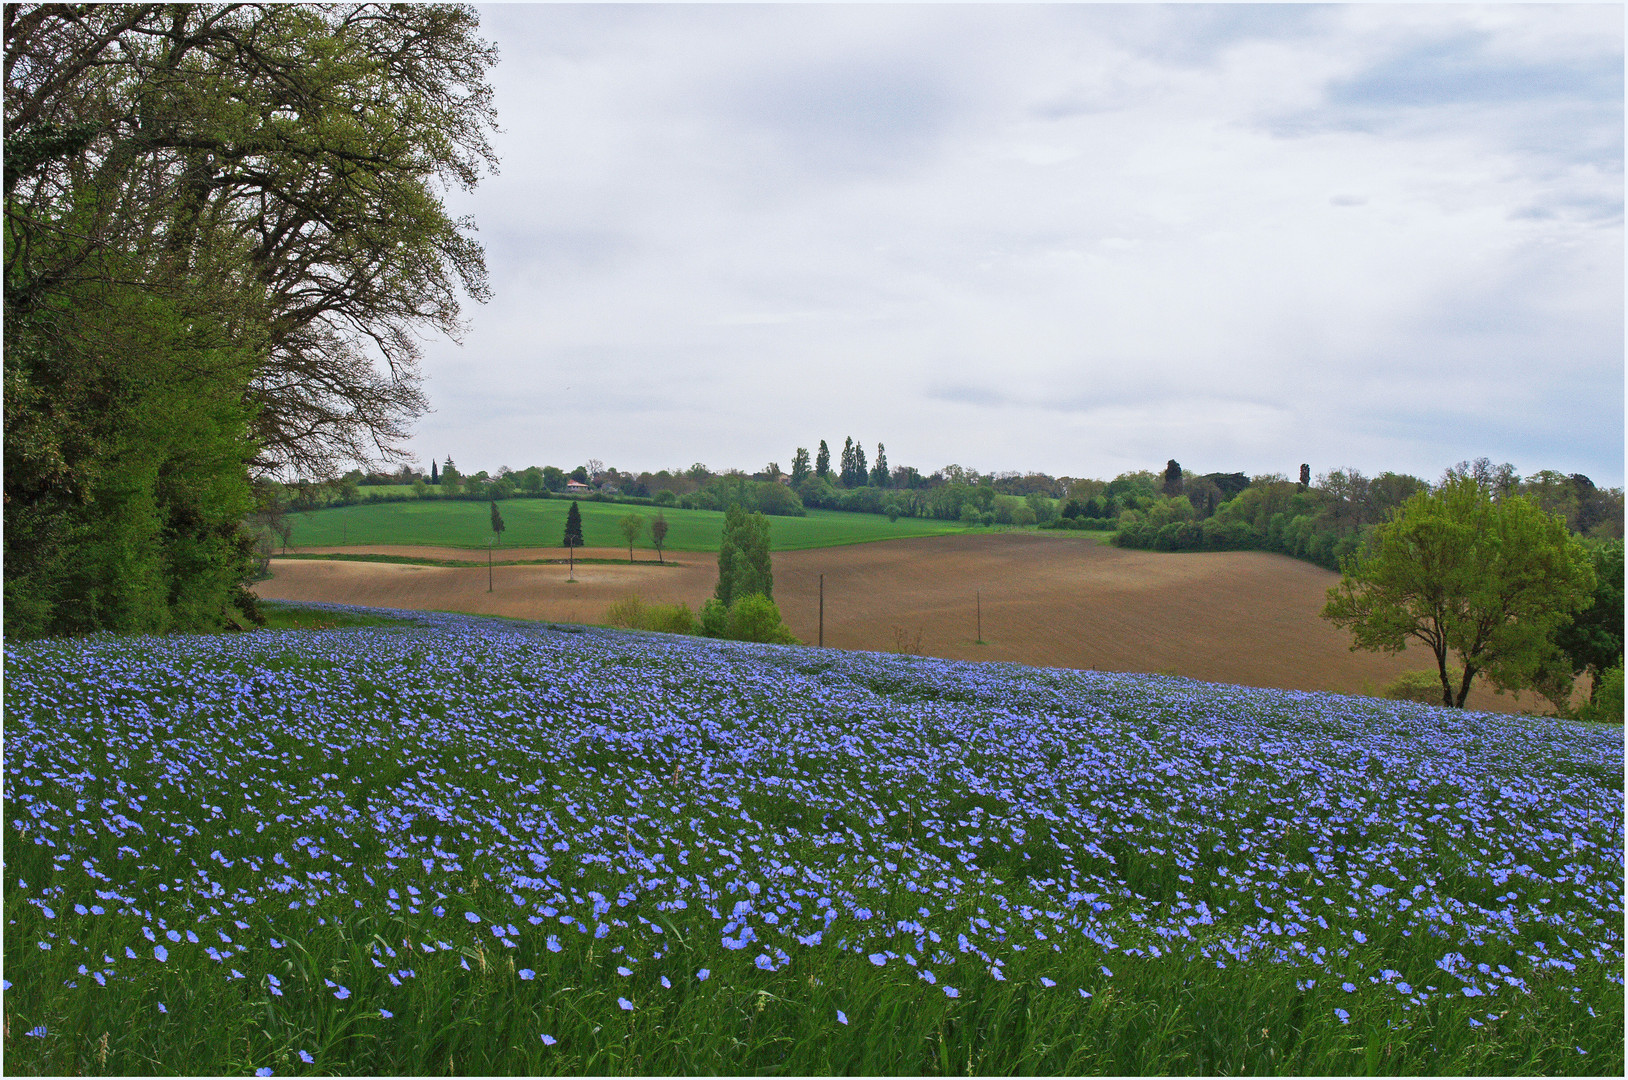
(822, 611)
(490, 544)
(980, 598)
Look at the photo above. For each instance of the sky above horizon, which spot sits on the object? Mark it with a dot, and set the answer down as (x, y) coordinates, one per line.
(1076, 239)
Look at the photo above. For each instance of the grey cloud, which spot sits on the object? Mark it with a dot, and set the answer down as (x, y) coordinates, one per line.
(845, 117)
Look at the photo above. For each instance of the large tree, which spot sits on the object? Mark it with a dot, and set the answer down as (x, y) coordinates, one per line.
(743, 556)
(1484, 583)
(822, 461)
(228, 212)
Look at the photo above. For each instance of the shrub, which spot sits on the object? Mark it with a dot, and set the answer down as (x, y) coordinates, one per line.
(1606, 705)
(714, 619)
(666, 497)
(755, 617)
(670, 619)
(1421, 686)
(632, 613)
(627, 613)
(776, 498)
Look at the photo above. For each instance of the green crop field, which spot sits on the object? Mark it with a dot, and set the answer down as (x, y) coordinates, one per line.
(541, 523)
(464, 846)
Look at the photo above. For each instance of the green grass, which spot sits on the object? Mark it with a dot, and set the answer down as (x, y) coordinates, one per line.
(541, 523)
(418, 848)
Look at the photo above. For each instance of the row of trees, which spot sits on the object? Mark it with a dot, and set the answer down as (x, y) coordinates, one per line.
(224, 240)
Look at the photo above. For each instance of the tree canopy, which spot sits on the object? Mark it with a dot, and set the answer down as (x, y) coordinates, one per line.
(1484, 583)
(223, 240)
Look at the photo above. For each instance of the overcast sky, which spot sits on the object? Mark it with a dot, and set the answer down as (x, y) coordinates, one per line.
(1078, 239)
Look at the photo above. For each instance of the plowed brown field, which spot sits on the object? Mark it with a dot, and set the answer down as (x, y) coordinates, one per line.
(1054, 601)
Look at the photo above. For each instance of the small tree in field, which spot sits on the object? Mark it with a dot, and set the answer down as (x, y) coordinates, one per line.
(632, 525)
(658, 535)
(1485, 583)
(497, 530)
(573, 537)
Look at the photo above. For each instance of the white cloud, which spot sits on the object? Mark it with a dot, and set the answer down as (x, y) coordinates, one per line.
(1078, 239)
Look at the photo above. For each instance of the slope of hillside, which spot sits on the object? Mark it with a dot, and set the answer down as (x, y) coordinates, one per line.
(484, 847)
(1052, 600)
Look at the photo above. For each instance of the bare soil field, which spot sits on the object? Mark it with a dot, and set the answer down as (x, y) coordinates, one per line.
(1053, 601)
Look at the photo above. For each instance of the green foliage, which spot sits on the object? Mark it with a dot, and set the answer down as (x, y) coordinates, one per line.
(573, 527)
(1484, 582)
(632, 526)
(632, 613)
(1592, 641)
(126, 438)
(754, 617)
(714, 618)
(1421, 686)
(497, 522)
(1605, 703)
(822, 462)
(743, 556)
(800, 467)
(777, 499)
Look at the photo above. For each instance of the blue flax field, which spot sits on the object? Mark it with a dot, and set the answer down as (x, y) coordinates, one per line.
(468, 846)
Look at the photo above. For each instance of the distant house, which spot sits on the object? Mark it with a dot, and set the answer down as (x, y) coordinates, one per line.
(577, 487)
(785, 478)
(609, 489)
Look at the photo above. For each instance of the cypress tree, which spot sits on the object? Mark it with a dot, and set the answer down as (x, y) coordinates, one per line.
(573, 527)
(573, 536)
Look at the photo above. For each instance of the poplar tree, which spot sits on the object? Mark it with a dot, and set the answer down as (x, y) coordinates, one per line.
(879, 474)
(822, 461)
(743, 557)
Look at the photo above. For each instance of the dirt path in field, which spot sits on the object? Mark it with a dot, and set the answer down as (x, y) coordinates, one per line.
(1055, 601)
(409, 551)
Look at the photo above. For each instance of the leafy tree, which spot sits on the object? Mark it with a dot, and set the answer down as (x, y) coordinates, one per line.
(497, 523)
(778, 499)
(1305, 477)
(294, 154)
(1592, 641)
(743, 556)
(658, 534)
(1483, 582)
(451, 479)
(632, 525)
(435, 472)
(822, 462)
(799, 466)
(1172, 478)
(845, 466)
(553, 478)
